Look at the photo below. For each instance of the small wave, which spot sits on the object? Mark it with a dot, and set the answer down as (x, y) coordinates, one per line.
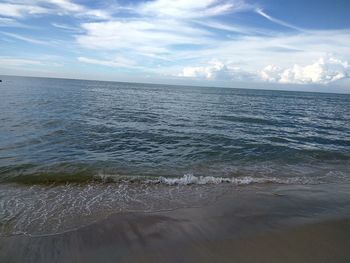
(52, 209)
(190, 179)
(252, 174)
(186, 179)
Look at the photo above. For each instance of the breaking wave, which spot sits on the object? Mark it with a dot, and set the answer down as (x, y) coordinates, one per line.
(186, 179)
(41, 209)
(189, 179)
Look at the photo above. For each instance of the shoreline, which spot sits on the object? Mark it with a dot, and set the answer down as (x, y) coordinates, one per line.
(256, 223)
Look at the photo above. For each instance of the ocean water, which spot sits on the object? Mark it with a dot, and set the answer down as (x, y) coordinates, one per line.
(74, 143)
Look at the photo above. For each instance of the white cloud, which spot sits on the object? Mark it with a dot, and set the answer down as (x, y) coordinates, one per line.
(8, 62)
(154, 37)
(119, 62)
(172, 36)
(31, 63)
(214, 70)
(66, 5)
(183, 31)
(66, 27)
(270, 73)
(49, 42)
(156, 28)
(8, 22)
(190, 9)
(21, 10)
(323, 71)
(277, 21)
(99, 14)
(26, 39)
(245, 30)
(217, 70)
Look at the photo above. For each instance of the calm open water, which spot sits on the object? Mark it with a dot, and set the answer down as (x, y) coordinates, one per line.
(76, 131)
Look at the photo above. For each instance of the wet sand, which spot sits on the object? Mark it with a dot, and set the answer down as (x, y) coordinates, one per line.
(251, 224)
(320, 242)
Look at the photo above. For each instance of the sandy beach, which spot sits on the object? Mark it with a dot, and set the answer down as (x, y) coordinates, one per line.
(265, 223)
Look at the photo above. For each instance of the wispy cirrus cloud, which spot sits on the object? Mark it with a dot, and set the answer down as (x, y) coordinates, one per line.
(159, 27)
(10, 22)
(118, 62)
(10, 62)
(66, 27)
(140, 36)
(195, 40)
(66, 5)
(26, 39)
(22, 9)
(29, 61)
(190, 9)
(277, 21)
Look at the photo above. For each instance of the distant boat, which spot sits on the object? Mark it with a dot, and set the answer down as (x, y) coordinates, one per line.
(0, 80)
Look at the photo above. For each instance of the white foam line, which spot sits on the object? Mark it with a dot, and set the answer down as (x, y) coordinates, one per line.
(189, 179)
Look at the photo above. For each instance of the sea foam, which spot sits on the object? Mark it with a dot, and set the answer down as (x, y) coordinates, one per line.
(189, 179)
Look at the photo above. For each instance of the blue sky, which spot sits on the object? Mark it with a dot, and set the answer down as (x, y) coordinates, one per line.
(210, 42)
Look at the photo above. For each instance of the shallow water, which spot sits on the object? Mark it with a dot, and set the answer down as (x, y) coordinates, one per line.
(255, 223)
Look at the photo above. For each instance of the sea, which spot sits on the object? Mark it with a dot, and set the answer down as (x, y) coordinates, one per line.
(74, 151)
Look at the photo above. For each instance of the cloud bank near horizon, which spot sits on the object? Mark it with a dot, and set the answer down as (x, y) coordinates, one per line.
(209, 40)
(322, 71)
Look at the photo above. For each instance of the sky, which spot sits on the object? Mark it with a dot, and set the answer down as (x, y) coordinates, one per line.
(259, 43)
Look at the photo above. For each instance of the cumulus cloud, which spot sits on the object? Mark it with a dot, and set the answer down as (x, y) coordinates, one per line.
(214, 70)
(323, 71)
(217, 70)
